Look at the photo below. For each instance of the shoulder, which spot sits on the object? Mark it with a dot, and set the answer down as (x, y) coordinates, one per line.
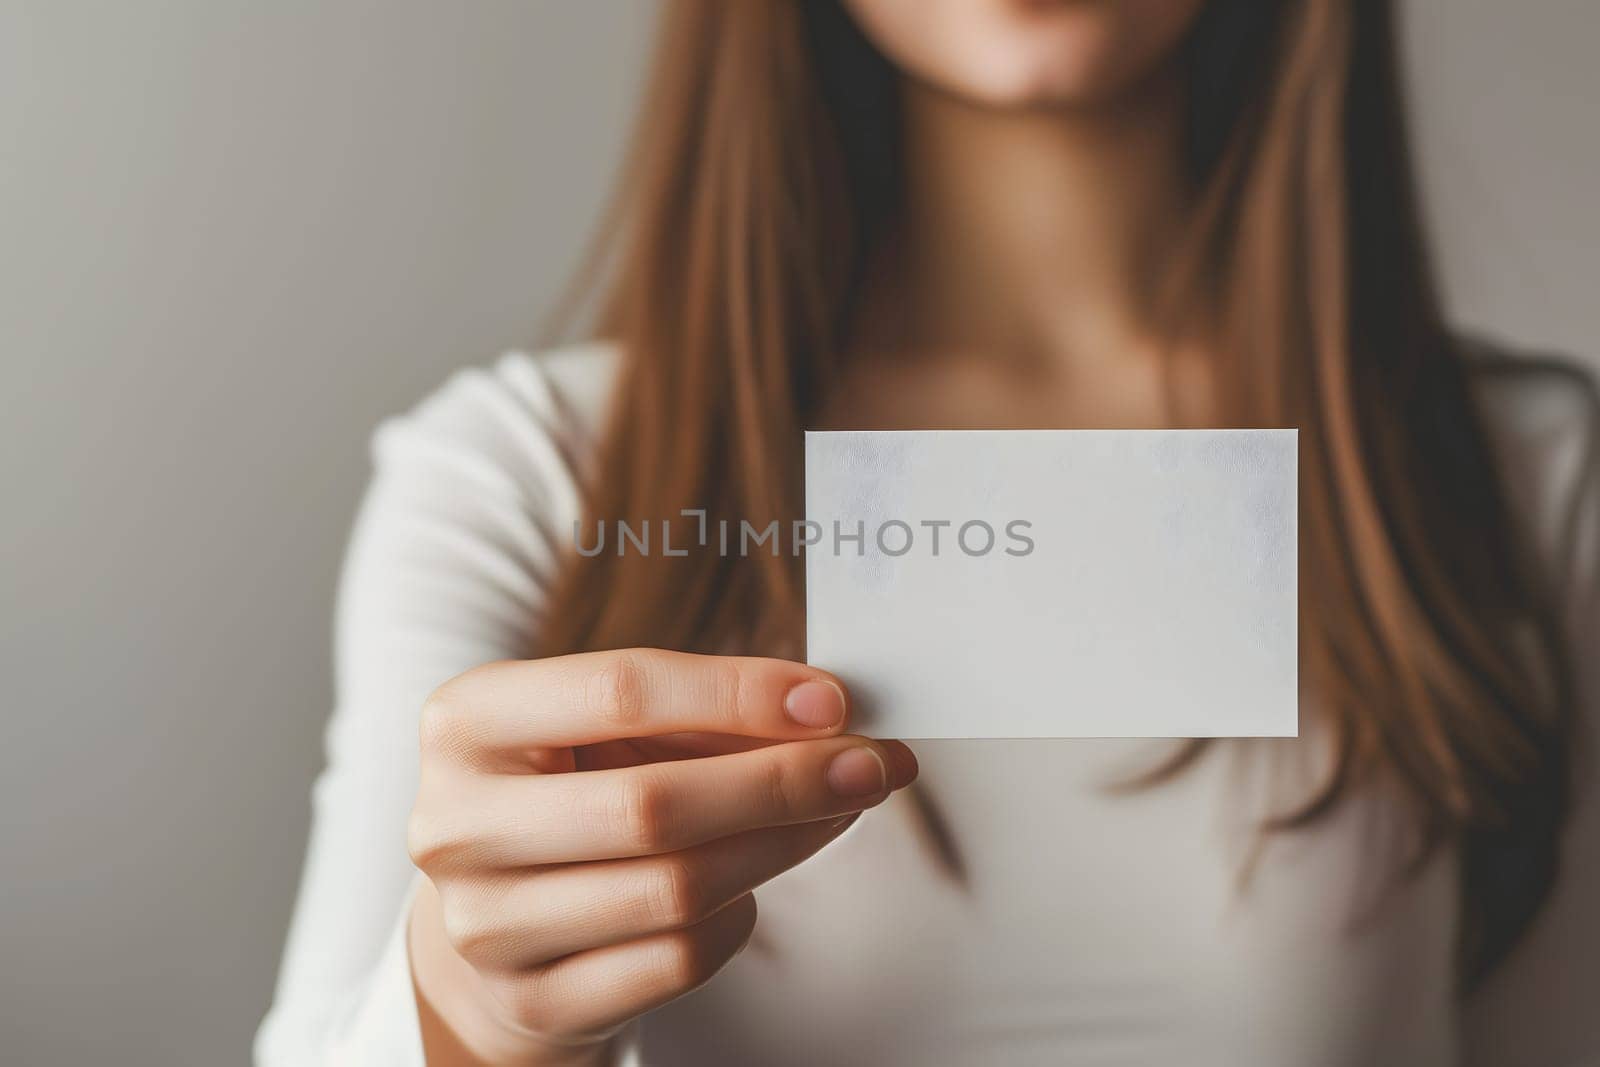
(527, 419)
(471, 495)
(1542, 414)
(560, 391)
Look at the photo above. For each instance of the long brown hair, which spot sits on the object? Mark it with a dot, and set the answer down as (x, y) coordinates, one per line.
(764, 166)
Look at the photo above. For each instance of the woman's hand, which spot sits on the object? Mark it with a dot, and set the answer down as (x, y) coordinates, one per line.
(592, 827)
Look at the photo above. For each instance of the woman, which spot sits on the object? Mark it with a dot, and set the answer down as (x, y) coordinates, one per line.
(997, 213)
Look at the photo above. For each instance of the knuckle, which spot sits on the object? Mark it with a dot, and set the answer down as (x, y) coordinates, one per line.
(774, 787)
(428, 842)
(442, 725)
(616, 692)
(643, 813)
(473, 934)
(547, 1003)
(691, 958)
(675, 897)
(524, 999)
(685, 961)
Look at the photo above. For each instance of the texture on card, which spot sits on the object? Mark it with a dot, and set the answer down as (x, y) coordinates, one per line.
(1056, 583)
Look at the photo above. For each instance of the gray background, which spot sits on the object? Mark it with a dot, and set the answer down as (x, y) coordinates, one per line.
(235, 235)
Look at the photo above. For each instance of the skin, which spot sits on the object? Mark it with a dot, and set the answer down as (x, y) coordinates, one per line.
(592, 826)
(1018, 54)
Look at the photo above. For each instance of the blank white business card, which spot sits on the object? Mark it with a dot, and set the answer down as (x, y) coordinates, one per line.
(1056, 583)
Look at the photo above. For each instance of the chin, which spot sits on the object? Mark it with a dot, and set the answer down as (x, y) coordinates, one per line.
(1027, 53)
(1058, 69)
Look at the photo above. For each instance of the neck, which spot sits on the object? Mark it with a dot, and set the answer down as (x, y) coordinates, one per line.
(1037, 234)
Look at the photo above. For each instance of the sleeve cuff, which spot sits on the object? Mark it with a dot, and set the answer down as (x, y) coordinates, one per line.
(381, 1028)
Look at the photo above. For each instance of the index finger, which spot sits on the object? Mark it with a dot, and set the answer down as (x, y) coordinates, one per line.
(640, 692)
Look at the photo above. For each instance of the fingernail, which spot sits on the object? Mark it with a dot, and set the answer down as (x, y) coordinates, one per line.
(857, 772)
(816, 704)
(902, 763)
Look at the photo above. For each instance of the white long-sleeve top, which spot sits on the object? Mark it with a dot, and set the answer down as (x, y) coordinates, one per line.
(1093, 927)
